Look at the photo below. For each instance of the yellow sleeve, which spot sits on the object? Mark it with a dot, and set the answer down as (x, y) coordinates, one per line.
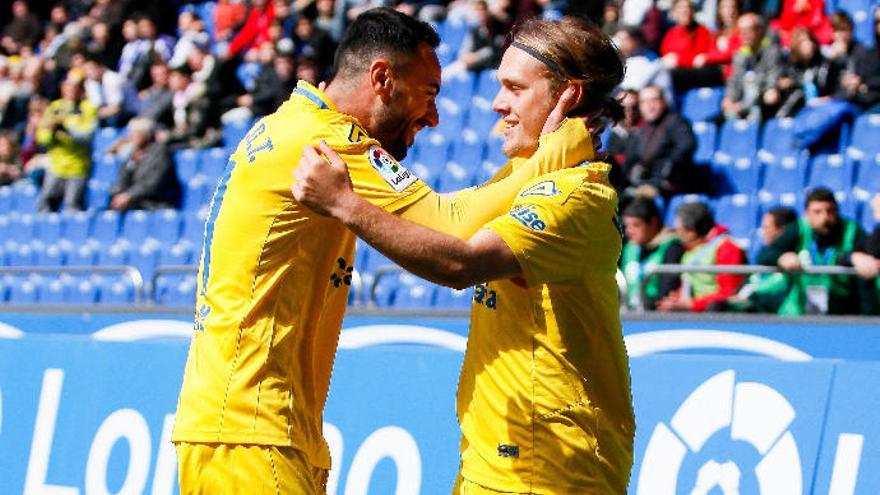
(463, 213)
(380, 179)
(555, 237)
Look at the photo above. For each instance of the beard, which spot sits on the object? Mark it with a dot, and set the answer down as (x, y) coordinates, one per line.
(391, 126)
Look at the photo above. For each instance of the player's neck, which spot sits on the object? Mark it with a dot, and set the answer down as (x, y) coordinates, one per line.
(351, 100)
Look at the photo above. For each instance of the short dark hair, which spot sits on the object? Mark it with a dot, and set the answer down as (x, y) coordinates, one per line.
(642, 208)
(782, 216)
(820, 194)
(381, 31)
(841, 21)
(696, 216)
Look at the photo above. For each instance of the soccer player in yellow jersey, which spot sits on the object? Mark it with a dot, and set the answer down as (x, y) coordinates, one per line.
(274, 276)
(544, 395)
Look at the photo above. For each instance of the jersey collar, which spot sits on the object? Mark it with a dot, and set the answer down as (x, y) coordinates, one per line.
(315, 95)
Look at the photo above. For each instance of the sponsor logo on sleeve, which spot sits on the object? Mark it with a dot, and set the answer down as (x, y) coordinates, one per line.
(528, 216)
(395, 174)
(545, 188)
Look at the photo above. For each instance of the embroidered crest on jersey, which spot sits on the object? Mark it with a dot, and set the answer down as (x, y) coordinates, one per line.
(545, 188)
(395, 174)
(528, 216)
(342, 275)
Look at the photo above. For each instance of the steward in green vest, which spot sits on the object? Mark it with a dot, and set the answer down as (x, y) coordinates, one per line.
(823, 238)
(706, 244)
(648, 244)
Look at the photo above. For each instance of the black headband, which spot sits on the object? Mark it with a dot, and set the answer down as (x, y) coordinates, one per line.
(546, 61)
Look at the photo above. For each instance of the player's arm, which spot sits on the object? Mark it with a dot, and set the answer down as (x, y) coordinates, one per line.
(433, 255)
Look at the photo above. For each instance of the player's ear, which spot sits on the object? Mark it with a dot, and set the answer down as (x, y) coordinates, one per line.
(570, 96)
(381, 78)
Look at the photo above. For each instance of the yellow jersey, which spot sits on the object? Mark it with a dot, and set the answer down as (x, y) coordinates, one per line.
(273, 283)
(544, 396)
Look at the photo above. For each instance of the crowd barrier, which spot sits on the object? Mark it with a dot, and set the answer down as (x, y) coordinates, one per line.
(748, 406)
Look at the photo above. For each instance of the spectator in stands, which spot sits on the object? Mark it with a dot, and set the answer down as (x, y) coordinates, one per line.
(255, 30)
(649, 243)
(756, 68)
(23, 29)
(65, 132)
(621, 133)
(824, 238)
(11, 168)
(227, 15)
(192, 36)
(102, 46)
(706, 244)
(807, 76)
(611, 18)
(147, 180)
(189, 112)
(313, 42)
(215, 79)
(481, 48)
(307, 70)
(659, 154)
(330, 18)
(859, 66)
(15, 92)
(107, 91)
(155, 102)
(807, 14)
(765, 292)
(144, 47)
(682, 44)
(109, 12)
(272, 88)
(643, 68)
(727, 40)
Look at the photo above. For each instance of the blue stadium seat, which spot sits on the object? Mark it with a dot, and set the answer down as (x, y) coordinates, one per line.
(97, 195)
(22, 226)
(145, 258)
(187, 164)
(705, 134)
(177, 254)
(847, 205)
(23, 255)
(114, 255)
(384, 292)
(452, 33)
(452, 117)
(433, 149)
(194, 228)
(103, 139)
(784, 175)
(681, 199)
(427, 174)
(166, 226)
(485, 172)
(106, 169)
(468, 149)
(233, 132)
(7, 230)
(24, 291)
(48, 227)
(742, 175)
(82, 255)
(832, 171)
(197, 193)
(481, 118)
(867, 218)
(450, 299)
(778, 139)
(213, 162)
(52, 255)
(84, 293)
(76, 226)
(24, 197)
(136, 226)
(701, 104)
(739, 212)
(494, 151)
(455, 177)
(413, 293)
(864, 142)
(184, 293)
(116, 292)
(738, 138)
(55, 292)
(458, 87)
(6, 205)
(867, 178)
(105, 227)
(488, 85)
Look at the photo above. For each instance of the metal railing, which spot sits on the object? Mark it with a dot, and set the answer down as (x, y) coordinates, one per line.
(133, 274)
(669, 269)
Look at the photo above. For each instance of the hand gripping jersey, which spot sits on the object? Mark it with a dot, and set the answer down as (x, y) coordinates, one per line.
(273, 282)
(544, 396)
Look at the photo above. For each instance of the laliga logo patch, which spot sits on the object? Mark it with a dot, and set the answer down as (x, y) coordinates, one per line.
(398, 177)
(546, 188)
(737, 441)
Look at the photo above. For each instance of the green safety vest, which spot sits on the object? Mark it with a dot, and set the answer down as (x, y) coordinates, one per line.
(634, 270)
(837, 285)
(702, 284)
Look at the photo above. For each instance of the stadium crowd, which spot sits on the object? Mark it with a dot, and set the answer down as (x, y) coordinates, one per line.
(166, 78)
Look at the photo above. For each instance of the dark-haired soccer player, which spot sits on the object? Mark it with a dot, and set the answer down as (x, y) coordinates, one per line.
(274, 277)
(544, 394)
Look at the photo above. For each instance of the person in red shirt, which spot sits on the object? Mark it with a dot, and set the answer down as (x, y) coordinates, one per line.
(808, 14)
(682, 44)
(256, 28)
(706, 244)
(727, 40)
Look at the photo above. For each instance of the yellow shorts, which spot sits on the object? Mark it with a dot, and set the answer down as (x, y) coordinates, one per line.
(465, 487)
(252, 469)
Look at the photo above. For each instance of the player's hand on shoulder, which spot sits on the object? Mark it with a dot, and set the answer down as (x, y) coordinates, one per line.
(321, 181)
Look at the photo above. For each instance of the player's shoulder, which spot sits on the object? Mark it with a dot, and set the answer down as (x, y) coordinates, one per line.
(571, 185)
